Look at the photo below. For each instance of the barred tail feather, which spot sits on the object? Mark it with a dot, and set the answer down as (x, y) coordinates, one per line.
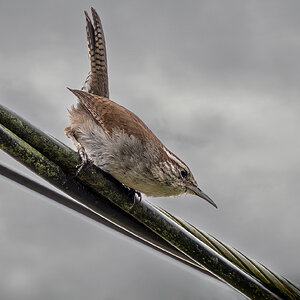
(97, 80)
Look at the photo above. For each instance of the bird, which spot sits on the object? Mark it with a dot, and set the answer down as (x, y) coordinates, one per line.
(119, 142)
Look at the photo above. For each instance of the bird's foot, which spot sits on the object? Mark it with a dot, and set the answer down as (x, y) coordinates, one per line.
(136, 198)
(84, 161)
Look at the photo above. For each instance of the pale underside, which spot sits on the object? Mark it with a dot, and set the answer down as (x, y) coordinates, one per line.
(135, 164)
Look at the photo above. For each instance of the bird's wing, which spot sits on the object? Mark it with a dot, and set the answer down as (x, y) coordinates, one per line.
(97, 80)
(112, 116)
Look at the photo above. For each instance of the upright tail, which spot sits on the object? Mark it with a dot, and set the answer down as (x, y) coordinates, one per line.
(97, 80)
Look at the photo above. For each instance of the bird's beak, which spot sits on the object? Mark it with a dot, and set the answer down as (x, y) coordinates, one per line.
(195, 190)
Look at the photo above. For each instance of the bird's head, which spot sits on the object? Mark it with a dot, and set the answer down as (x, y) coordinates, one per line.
(182, 178)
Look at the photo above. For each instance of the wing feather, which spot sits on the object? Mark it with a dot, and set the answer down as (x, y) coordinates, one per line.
(111, 116)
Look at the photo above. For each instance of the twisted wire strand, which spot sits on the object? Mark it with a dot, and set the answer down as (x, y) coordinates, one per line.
(225, 263)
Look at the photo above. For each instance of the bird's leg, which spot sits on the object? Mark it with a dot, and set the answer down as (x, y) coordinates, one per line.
(136, 197)
(81, 151)
(84, 158)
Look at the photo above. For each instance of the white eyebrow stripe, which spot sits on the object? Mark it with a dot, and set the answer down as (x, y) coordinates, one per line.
(179, 162)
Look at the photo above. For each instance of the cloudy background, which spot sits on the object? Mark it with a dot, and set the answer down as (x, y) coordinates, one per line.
(217, 81)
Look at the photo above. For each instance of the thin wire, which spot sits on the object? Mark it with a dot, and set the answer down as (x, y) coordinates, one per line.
(76, 206)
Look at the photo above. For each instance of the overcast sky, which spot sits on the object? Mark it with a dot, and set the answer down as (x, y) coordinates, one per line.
(217, 81)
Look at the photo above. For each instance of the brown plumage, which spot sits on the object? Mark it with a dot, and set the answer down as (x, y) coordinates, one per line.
(97, 81)
(116, 140)
(111, 116)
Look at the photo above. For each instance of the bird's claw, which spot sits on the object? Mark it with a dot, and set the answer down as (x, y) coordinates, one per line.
(84, 160)
(136, 197)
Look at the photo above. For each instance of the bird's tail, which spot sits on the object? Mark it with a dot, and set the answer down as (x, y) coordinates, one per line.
(97, 80)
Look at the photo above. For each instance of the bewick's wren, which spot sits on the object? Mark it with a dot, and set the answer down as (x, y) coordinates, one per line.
(116, 140)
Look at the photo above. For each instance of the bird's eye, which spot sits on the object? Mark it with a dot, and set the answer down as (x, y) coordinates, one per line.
(183, 173)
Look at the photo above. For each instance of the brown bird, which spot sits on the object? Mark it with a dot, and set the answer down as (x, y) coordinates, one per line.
(116, 140)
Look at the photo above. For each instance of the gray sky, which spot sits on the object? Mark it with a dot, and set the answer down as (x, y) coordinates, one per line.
(217, 81)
